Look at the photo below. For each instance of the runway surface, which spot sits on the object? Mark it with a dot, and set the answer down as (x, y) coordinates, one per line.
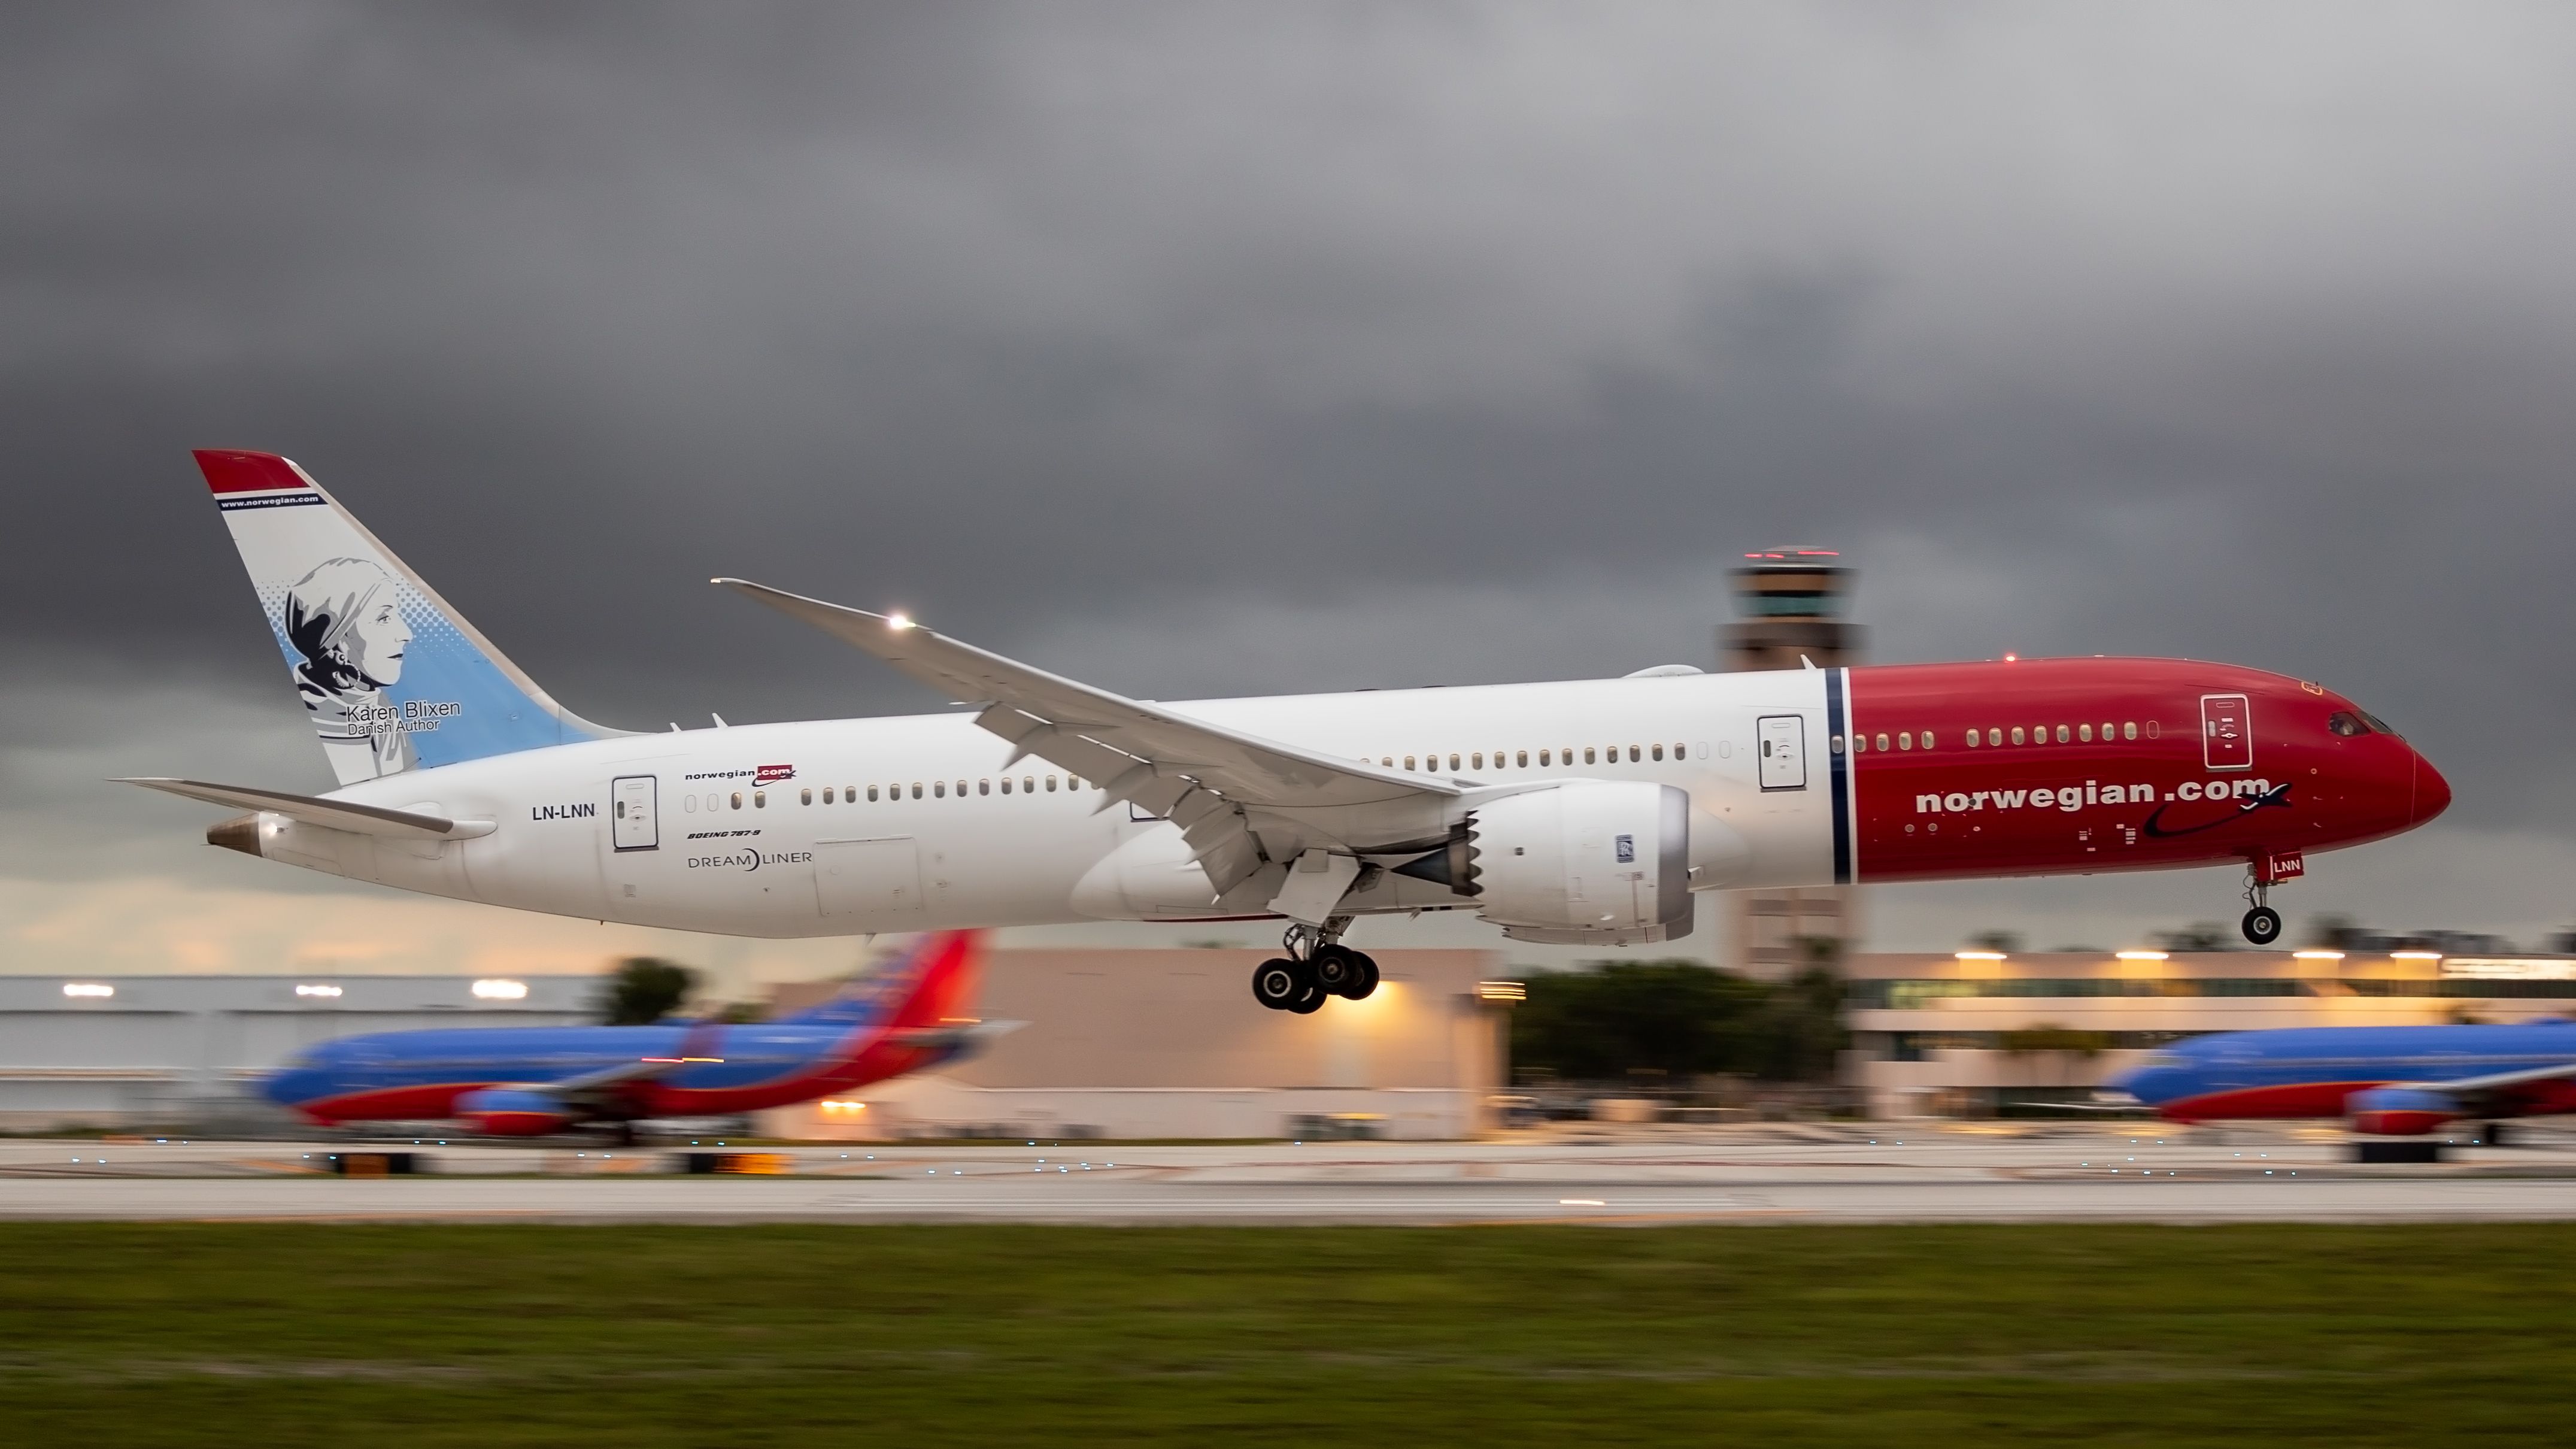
(1790, 1174)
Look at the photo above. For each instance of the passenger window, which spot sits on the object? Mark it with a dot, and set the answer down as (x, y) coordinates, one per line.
(916, 789)
(872, 794)
(2061, 734)
(1453, 762)
(1523, 759)
(1477, 759)
(1635, 755)
(691, 801)
(759, 799)
(2106, 732)
(805, 796)
(1904, 740)
(1388, 762)
(1927, 739)
(939, 788)
(1028, 784)
(2129, 731)
(1996, 737)
(737, 799)
(1835, 744)
(961, 789)
(1659, 752)
(982, 787)
(1972, 739)
(1882, 742)
(1006, 784)
(1544, 756)
(2017, 734)
(1678, 751)
(1408, 762)
(1587, 756)
(2084, 733)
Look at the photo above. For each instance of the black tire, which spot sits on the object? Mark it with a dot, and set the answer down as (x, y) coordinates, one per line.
(1278, 982)
(1312, 1002)
(1335, 968)
(1367, 982)
(2262, 925)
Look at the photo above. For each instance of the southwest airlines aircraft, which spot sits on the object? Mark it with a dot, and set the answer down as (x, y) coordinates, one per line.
(2396, 1080)
(526, 1081)
(1583, 812)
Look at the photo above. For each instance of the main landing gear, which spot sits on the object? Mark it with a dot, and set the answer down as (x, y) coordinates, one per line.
(1317, 965)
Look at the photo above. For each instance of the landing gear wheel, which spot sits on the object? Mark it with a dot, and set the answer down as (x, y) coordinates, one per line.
(1279, 982)
(1311, 1002)
(1336, 968)
(2262, 925)
(1367, 982)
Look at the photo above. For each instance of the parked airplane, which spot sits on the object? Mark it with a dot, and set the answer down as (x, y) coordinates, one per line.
(2388, 1080)
(1583, 812)
(526, 1081)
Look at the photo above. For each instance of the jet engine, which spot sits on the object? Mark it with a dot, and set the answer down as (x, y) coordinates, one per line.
(1588, 862)
(507, 1112)
(2399, 1111)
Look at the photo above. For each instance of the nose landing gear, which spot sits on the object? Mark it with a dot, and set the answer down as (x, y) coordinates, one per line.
(1317, 965)
(2262, 924)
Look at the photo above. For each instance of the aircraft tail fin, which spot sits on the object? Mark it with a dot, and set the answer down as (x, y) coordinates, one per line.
(394, 678)
(932, 984)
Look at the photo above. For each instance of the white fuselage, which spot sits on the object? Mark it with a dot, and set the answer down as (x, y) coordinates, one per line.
(932, 840)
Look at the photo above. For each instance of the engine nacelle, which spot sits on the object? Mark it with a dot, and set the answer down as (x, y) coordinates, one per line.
(504, 1112)
(2400, 1111)
(1603, 862)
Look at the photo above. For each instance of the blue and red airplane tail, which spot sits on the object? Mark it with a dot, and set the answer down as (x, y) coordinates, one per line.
(931, 984)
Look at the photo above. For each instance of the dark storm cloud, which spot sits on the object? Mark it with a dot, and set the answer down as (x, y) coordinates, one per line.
(1254, 348)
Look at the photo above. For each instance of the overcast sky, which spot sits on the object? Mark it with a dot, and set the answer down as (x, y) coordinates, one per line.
(1198, 349)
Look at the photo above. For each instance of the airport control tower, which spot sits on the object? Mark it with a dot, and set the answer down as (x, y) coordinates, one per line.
(1790, 607)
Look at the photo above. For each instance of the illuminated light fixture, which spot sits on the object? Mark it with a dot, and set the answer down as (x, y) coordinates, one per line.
(493, 988)
(88, 988)
(898, 622)
(2316, 955)
(2141, 955)
(2012, 659)
(323, 991)
(833, 1108)
(1502, 991)
(2414, 955)
(1977, 955)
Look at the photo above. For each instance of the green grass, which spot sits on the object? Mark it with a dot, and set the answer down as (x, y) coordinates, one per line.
(114, 1335)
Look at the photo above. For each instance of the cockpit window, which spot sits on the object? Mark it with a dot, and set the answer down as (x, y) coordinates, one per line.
(2350, 722)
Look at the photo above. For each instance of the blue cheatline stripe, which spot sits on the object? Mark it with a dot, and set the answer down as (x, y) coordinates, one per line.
(270, 500)
(1835, 682)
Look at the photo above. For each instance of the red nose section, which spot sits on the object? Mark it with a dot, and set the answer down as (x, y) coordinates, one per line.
(2432, 793)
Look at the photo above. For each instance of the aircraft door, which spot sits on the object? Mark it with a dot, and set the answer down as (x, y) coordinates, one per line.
(873, 884)
(1783, 745)
(2226, 732)
(633, 825)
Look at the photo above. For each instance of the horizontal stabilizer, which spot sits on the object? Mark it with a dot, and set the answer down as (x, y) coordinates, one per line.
(313, 810)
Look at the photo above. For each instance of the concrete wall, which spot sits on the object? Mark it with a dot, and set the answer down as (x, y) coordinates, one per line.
(1169, 1043)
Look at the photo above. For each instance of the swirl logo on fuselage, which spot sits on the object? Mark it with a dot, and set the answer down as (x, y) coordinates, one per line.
(2276, 797)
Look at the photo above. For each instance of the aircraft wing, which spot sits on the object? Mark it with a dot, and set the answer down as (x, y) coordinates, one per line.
(699, 1044)
(976, 1034)
(314, 810)
(2495, 1081)
(1200, 775)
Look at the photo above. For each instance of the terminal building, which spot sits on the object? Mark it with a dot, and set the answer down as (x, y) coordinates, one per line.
(107, 1051)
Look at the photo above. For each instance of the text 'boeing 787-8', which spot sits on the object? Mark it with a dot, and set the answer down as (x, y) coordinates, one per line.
(1580, 812)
